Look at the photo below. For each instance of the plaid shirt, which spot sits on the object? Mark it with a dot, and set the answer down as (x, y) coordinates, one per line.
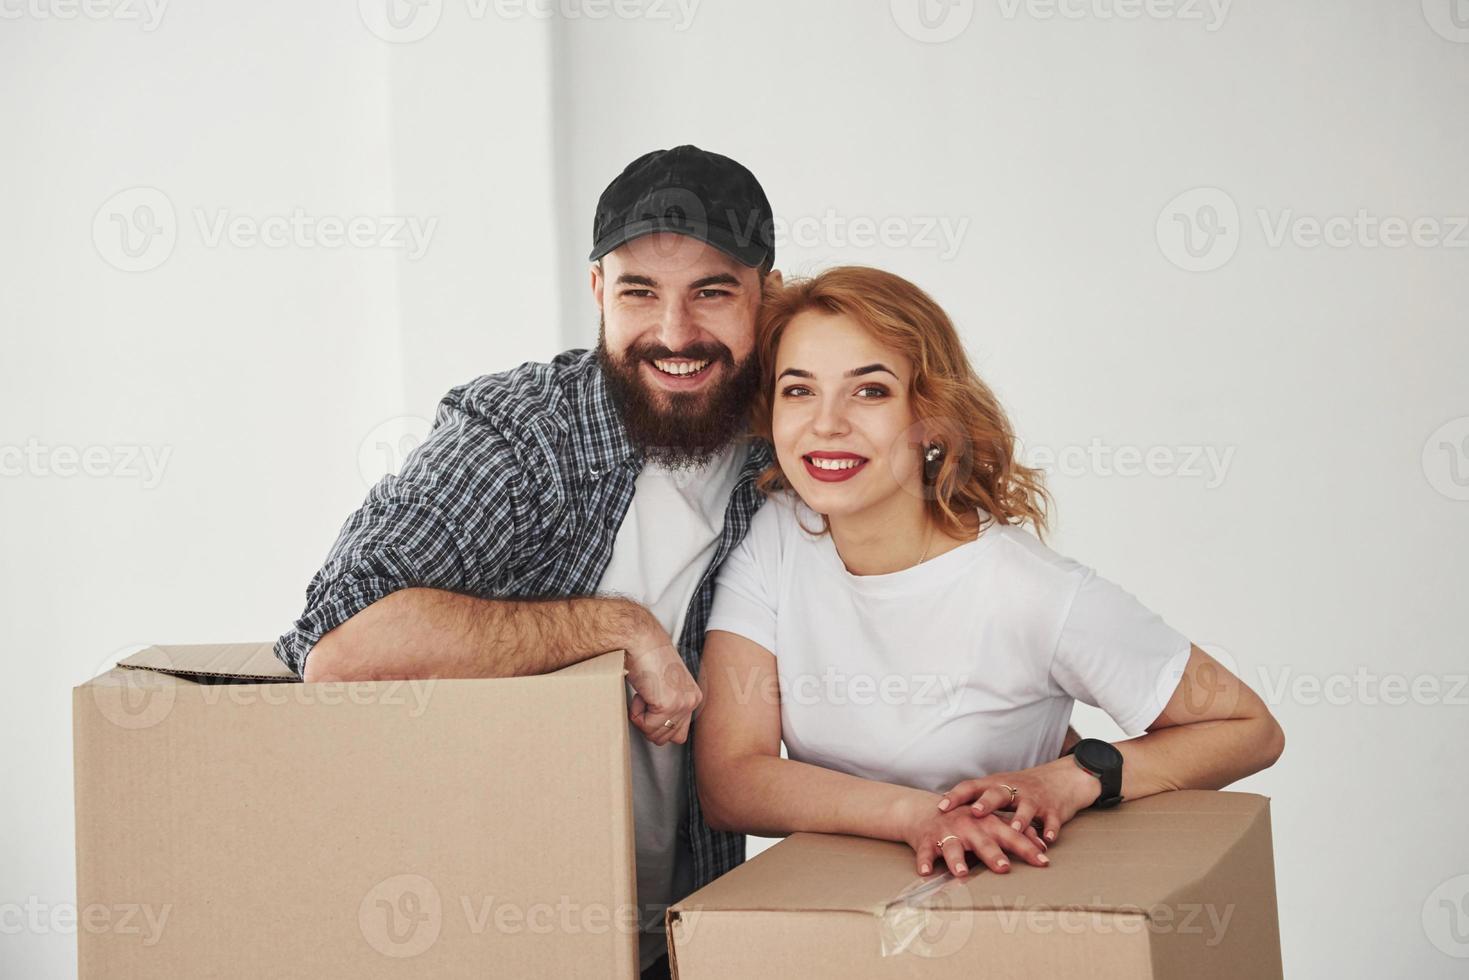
(518, 492)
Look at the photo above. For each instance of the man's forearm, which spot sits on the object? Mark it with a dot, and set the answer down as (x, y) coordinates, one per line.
(421, 632)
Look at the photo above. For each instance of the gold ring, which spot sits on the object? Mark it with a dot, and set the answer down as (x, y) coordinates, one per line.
(1014, 793)
(947, 839)
(668, 723)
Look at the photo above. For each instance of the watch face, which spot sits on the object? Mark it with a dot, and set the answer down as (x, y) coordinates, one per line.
(1097, 755)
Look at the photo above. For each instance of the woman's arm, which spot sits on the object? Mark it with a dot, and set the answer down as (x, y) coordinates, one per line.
(1213, 731)
(744, 784)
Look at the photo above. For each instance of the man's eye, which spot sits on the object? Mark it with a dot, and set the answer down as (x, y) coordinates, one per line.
(713, 293)
(637, 293)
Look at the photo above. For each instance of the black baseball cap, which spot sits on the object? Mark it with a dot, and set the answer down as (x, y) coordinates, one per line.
(687, 191)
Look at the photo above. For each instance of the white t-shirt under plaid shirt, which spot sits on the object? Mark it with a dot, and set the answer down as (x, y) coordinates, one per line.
(964, 665)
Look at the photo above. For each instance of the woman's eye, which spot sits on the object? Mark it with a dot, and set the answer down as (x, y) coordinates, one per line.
(877, 391)
(795, 390)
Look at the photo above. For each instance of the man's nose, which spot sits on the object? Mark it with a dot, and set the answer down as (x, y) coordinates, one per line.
(676, 328)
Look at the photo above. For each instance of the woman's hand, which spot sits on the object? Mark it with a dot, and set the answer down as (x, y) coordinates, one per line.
(1054, 792)
(989, 837)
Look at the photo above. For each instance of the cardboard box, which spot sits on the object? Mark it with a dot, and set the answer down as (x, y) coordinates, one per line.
(1173, 886)
(233, 822)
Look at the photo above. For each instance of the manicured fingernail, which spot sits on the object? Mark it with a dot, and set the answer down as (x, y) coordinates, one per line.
(1043, 859)
(944, 803)
(961, 870)
(1015, 824)
(924, 869)
(1002, 864)
(978, 809)
(1050, 835)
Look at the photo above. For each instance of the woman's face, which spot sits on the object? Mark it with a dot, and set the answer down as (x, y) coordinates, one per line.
(841, 417)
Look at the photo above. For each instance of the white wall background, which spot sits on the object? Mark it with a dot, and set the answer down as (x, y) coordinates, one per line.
(1325, 544)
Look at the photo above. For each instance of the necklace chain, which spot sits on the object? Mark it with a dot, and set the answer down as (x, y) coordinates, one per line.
(927, 544)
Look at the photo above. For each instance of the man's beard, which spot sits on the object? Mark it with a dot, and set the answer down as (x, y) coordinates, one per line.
(680, 429)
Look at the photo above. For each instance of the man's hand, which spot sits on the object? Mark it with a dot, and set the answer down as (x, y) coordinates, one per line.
(665, 690)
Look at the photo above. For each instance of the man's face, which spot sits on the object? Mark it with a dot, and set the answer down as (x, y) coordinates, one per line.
(677, 344)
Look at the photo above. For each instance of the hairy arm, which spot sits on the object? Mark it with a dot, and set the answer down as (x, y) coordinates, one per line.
(420, 632)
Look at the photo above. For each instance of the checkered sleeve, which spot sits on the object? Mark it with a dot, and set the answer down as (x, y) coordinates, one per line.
(448, 521)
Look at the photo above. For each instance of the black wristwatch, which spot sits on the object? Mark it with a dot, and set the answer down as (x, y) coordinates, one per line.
(1102, 760)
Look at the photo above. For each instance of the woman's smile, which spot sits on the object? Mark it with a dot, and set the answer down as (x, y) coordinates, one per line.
(833, 467)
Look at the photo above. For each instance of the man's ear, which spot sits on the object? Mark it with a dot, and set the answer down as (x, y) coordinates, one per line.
(597, 282)
(773, 279)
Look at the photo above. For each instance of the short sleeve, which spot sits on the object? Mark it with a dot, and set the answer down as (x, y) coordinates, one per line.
(748, 583)
(1116, 654)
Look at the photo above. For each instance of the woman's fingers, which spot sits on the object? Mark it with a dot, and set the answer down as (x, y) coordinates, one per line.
(1017, 843)
(992, 799)
(953, 851)
(926, 855)
(1024, 814)
(1052, 829)
(988, 851)
(1032, 834)
(962, 793)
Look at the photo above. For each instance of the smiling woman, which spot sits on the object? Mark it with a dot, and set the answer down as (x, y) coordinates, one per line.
(885, 435)
(902, 395)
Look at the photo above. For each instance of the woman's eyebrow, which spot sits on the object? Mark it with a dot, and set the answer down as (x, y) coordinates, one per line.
(865, 369)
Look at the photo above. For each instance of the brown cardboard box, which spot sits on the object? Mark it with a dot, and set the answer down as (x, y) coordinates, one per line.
(247, 825)
(1173, 886)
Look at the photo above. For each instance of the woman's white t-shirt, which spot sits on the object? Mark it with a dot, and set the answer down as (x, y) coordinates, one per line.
(966, 664)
